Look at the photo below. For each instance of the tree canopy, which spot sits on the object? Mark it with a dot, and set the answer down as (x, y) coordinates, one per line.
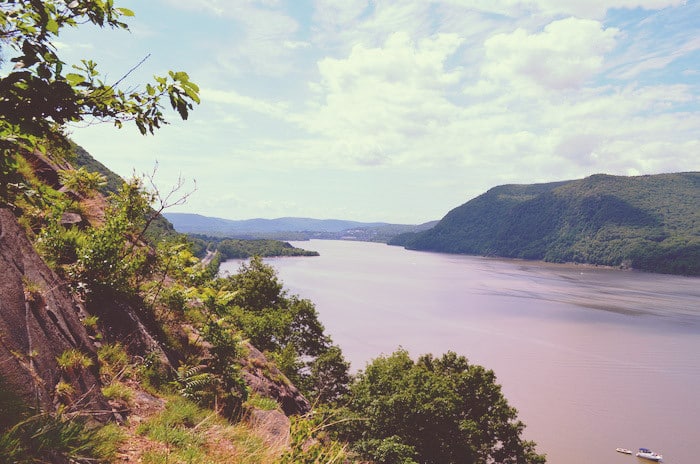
(434, 411)
(287, 328)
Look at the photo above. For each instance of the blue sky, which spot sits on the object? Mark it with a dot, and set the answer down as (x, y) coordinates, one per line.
(401, 110)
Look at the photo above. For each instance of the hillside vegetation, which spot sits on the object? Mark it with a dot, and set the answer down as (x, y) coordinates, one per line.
(650, 223)
(228, 248)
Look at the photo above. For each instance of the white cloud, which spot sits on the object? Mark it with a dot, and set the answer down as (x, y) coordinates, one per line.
(637, 62)
(295, 44)
(597, 8)
(373, 102)
(590, 9)
(230, 97)
(564, 55)
(213, 6)
(262, 37)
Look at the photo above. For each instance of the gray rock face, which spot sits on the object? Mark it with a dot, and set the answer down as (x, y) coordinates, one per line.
(39, 321)
(265, 379)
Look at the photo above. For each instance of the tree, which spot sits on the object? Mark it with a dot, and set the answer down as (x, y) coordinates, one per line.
(288, 329)
(40, 94)
(436, 410)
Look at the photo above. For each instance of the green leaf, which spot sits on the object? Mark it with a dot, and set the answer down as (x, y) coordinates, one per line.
(125, 11)
(74, 79)
(52, 26)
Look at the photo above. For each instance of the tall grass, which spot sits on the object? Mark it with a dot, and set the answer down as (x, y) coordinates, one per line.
(190, 434)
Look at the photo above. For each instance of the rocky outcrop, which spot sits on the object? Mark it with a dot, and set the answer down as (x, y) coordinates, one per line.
(127, 322)
(274, 425)
(40, 321)
(45, 168)
(265, 379)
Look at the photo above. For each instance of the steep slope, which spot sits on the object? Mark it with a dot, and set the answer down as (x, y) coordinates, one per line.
(39, 321)
(646, 222)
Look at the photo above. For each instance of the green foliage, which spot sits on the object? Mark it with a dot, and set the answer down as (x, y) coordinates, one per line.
(82, 159)
(225, 342)
(227, 390)
(151, 373)
(90, 322)
(106, 442)
(177, 262)
(649, 222)
(390, 450)
(74, 360)
(256, 401)
(310, 442)
(64, 390)
(119, 392)
(195, 384)
(243, 249)
(288, 328)
(114, 362)
(54, 438)
(110, 259)
(59, 245)
(82, 181)
(256, 286)
(328, 379)
(178, 426)
(436, 410)
(158, 229)
(41, 94)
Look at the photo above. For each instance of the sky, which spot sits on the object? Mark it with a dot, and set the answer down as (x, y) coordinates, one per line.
(399, 110)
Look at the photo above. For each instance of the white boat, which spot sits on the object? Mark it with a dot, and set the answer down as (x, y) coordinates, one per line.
(623, 450)
(648, 454)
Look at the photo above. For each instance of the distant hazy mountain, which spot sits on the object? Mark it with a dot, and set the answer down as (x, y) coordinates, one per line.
(645, 222)
(288, 228)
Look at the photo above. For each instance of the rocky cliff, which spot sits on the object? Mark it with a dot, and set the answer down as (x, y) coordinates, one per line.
(39, 322)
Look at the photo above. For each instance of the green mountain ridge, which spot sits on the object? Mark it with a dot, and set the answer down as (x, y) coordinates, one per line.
(649, 223)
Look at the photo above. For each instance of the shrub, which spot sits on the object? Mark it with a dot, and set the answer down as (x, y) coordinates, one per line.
(73, 360)
(117, 391)
(114, 362)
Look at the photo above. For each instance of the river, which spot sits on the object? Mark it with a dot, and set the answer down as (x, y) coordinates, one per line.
(592, 358)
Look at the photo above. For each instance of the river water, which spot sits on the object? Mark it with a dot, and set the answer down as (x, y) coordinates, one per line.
(592, 358)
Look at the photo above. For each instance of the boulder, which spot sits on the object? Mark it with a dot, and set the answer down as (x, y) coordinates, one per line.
(265, 379)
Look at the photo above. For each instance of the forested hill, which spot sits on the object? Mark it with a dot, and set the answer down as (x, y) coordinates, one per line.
(198, 224)
(650, 223)
(290, 228)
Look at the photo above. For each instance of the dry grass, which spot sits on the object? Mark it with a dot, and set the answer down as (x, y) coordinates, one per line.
(173, 430)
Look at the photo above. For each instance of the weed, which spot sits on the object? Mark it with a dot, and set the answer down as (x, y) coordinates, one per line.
(48, 438)
(177, 423)
(117, 391)
(64, 389)
(114, 362)
(107, 440)
(309, 444)
(261, 402)
(32, 290)
(73, 359)
(90, 322)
